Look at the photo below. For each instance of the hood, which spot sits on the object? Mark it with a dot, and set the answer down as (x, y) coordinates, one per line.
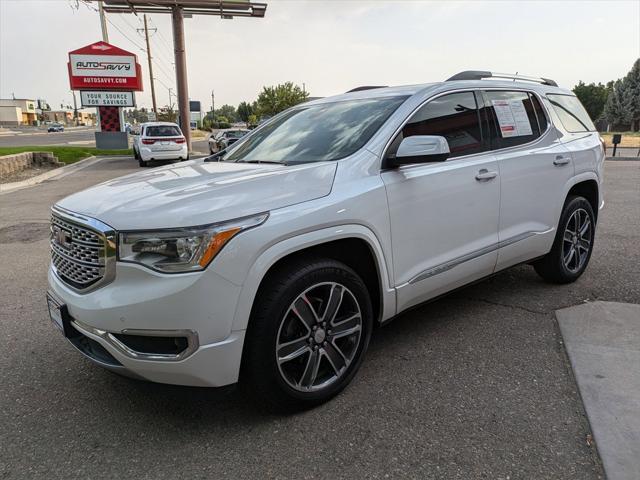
(197, 193)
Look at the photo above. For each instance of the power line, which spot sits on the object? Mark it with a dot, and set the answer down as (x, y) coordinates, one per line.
(124, 34)
(161, 36)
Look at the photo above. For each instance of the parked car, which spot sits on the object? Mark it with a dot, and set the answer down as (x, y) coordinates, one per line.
(55, 127)
(159, 141)
(271, 263)
(225, 138)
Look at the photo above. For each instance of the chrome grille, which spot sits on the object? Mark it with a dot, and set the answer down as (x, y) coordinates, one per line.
(80, 254)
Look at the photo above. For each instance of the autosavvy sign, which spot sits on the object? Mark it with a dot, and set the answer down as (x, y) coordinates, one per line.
(105, 67)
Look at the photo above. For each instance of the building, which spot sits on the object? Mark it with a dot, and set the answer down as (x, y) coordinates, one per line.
(58, 116)
(18, 111)
(65, 117)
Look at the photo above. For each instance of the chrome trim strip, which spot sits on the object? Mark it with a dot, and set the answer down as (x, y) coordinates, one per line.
(61, 252)
(107, 250)
(192, 341)
(443, 267)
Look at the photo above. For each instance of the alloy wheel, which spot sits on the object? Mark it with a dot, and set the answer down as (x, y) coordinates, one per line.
(318, 337)
(577, 240)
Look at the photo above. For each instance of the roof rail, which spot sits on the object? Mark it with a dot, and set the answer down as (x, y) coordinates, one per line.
(481, 74)
(366, 87)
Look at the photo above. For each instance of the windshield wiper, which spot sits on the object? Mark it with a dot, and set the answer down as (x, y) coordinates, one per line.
(260, 161)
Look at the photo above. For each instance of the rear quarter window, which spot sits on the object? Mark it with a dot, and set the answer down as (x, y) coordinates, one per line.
(572, 114)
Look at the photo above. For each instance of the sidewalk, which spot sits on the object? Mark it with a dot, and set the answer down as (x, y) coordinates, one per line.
(603, 343)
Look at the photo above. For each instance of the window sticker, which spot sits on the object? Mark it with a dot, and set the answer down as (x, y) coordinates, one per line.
(512, 118)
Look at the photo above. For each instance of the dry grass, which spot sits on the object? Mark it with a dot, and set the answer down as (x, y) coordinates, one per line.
(629, 139)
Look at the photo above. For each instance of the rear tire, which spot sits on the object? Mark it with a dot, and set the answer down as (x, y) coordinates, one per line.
(309, 330)
(142, 163)
(573, 244)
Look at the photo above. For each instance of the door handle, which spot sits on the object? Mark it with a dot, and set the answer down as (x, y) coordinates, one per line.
(560, 160)
(485, 175)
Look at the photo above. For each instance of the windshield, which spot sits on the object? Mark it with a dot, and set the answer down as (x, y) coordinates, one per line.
(315, 133)
(235, 134)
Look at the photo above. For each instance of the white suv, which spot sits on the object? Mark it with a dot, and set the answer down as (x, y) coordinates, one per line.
(159, 141)
(270, 263)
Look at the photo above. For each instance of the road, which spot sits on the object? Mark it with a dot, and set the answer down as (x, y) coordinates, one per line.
(80, 137)
(475, 385)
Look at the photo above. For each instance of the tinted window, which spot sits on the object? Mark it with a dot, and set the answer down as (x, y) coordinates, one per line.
(572, 114)
(454, 116)
(514, 118)
(314, 133)
(163, 131)
(235, 134)
(543, 122)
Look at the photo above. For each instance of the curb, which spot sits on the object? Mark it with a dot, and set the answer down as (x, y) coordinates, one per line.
(55, 173)
(623, 159)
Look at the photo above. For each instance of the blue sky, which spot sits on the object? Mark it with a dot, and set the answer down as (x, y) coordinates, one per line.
(332, 45)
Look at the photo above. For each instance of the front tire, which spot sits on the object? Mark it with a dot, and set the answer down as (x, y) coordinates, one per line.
(309, 330)
(573, 243)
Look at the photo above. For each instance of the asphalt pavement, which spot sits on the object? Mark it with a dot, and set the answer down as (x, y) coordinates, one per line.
(77, 137)
(81, 137)
(474, 385)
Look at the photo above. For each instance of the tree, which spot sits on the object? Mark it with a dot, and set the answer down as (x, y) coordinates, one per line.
(273, 100)
(227, 111)
(593, 97)
(244, 111)
(167, 114)
(614, 110)
(631, 96)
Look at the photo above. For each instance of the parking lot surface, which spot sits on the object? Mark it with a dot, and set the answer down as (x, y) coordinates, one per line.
(474, 385)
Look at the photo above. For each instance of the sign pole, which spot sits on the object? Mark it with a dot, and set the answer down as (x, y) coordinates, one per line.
(181, 72)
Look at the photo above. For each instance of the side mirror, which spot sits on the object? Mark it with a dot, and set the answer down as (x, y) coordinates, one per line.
(420, 149)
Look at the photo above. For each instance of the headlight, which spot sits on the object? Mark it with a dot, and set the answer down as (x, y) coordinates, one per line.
(181, 249)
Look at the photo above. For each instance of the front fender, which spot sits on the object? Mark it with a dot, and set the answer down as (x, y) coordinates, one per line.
(300, 242)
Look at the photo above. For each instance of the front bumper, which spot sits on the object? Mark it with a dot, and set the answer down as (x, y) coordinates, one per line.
(198, 306)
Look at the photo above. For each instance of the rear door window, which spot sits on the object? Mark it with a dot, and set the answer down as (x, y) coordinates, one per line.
(514, 117)
(572, 114)
(455, 117)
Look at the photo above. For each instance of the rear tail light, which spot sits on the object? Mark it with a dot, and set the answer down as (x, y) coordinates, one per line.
(146, 141)
(180, 140)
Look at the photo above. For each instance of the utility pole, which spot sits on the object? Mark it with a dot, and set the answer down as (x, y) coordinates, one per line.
(213, 107)
(153, 87)
(181, 72)
(103, 23)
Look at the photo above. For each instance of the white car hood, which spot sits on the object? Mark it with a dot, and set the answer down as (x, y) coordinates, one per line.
(198, 193)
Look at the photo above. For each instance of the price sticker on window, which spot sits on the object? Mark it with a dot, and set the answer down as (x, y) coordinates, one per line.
(512, 118)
